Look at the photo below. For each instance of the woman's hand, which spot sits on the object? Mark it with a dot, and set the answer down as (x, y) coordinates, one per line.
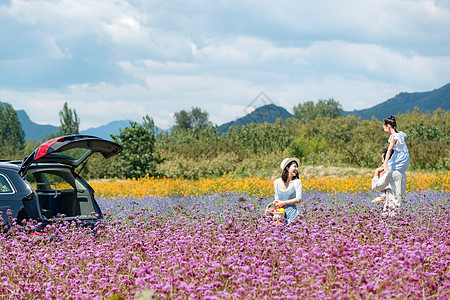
(278, 203)
(378, 171)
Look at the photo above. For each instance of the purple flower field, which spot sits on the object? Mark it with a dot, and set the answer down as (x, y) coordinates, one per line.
(223, 247)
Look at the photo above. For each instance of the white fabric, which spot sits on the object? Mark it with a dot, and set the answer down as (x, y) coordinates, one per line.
(400, 146)
(297, 186)
(400, 159)
(394, 182)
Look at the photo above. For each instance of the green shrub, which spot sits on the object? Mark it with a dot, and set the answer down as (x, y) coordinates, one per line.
(98, 167)
(303, 147)
(258, 149)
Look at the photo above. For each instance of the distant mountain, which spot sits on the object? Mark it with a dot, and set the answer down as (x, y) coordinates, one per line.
(105, 131)
(268, 113)
(32, 130)
(404, 102)
(114, 127)
(38, 132)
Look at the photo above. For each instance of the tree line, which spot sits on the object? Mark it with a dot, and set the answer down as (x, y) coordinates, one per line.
(317, 134)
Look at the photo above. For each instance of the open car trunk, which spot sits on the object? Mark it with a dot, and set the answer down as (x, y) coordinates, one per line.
(61, 194)
(70, 150)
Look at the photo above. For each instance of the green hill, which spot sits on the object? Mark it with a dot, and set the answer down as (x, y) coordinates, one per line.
(268, 113)
(404, 102)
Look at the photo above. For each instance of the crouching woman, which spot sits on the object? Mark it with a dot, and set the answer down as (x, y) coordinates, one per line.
(394, 183)
(288, 189)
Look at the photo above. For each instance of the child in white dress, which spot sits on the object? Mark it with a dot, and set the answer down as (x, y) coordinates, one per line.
(400, 158)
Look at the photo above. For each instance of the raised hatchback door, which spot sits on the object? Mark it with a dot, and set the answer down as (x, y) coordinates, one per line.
(70, 150)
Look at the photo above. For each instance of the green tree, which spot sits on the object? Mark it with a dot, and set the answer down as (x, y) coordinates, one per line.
(69, 121)
(428, 138)
(97, 167)
(195, 120)
(302, 147)
(30, 146)
(199, 119)
(12, 136)
(306, 111)
(324, 108)
(138, 141)
(182, 121)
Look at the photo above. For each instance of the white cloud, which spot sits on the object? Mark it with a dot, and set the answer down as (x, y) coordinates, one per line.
(126, 29)
(115, 60)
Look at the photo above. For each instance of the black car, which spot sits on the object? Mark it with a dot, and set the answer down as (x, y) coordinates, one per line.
(45, 187)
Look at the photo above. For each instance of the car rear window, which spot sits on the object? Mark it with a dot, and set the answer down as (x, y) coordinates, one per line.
(46, 181)
(5, 186)
(75, 153)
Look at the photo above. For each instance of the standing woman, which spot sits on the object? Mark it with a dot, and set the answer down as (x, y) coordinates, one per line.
(288, 188)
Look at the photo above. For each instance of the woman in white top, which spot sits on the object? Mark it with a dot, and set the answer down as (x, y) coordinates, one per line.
(288, 188)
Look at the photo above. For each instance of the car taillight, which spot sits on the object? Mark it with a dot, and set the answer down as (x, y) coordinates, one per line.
(38, 233)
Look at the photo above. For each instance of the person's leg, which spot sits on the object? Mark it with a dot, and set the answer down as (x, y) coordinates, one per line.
(403, 188)
(392, 206)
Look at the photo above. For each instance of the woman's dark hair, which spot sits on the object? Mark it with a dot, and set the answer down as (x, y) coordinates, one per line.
(391, 121)
(285, 174)
(384, 151)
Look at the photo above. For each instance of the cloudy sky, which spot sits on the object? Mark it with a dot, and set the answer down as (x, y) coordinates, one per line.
(123, 59)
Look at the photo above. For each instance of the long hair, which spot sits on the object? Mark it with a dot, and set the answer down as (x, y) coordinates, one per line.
(285, 174)
(391, 121)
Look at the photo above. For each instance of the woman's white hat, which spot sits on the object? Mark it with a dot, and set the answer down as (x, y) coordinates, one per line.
(288, 160)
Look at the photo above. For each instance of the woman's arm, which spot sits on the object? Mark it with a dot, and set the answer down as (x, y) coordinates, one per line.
(275, 194)
(388, 153)
(288, 202)
(298, 188)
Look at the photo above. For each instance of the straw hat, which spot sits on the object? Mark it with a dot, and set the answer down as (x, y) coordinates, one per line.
(288, 160)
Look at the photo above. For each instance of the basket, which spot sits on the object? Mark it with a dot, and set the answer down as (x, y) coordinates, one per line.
(277, 216)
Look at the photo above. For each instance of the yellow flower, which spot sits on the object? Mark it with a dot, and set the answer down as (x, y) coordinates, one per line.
(254, 185)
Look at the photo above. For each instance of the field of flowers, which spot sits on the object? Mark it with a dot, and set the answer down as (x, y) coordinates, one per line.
(255, 186)
(209, 239)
